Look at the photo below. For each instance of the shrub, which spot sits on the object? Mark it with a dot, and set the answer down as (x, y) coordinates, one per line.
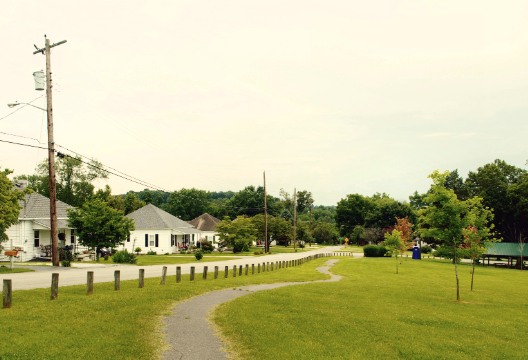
(301, 245)
(66, 255)
(207, 246)
(198, 255)
(257, 252)
(137, 250)
(124, 257)
(426, 249)
(106, 257)
(113, 251)
(151, 252)
(374, 251)
(66, 263)
(207, 251)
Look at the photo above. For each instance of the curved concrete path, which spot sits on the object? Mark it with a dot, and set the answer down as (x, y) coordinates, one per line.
(189, 334)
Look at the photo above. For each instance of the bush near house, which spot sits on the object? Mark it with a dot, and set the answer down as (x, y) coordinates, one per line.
(374, 251)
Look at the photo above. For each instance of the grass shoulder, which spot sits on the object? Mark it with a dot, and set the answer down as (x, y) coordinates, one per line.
(7, 270)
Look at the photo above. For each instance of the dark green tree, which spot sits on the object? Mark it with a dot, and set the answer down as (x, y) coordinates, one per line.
(188, 203)
(99, 226)
(132, 203)
(9, 208)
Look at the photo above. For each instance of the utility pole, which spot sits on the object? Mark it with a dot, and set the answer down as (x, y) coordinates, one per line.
(294, 216)
(310, 223)
(266, 243)
(51, 154)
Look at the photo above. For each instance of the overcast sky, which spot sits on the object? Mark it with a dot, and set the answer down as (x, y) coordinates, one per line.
(334, 97)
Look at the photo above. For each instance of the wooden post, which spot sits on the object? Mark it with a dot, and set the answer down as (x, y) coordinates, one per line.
(263, 267)
(163, 275)
(226, 272)
(178, 274)
(234, 270)
(204, 275)
(247, 269)
(267, 268)
(141, 278)
(252, 269)
(117, 280)
(8, 293)
(216, 272)
(272, 266)
(283, 264)
(89, 285)
(192, 273)
(258, 268)
(280, 263)
(54, 286)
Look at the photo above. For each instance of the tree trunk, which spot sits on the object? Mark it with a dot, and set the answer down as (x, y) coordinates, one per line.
(396, 263)
(456, 273)
(472, 274)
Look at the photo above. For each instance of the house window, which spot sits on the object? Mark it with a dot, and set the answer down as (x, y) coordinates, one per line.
(152, 240)
(206, 238)
(72, 236)
(36, 235)
(128, 238)
(192, 237)
(172, 240)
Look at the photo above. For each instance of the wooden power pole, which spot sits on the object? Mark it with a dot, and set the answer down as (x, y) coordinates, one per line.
(294, 217)
(51, 154)
(266, 243)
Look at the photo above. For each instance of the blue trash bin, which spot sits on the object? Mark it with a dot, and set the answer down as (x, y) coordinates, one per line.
(416, 253)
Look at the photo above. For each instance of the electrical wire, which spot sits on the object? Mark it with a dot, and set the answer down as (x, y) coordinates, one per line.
(121, 174)
(23, 106)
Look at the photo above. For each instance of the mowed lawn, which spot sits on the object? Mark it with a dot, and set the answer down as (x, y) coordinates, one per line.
(7, 270)
(112, 324)
(373, 313)
(165, 259)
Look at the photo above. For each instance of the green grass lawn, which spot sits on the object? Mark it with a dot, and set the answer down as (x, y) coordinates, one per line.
(7, 270)
(111, 324)
(373, 313)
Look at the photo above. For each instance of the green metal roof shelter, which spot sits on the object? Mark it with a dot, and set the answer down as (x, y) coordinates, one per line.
(506, 250)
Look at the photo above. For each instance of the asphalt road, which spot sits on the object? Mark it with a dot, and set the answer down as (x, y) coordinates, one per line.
(77, 276)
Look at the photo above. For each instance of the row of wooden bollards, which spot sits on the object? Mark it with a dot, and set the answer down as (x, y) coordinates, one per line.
(266, 266)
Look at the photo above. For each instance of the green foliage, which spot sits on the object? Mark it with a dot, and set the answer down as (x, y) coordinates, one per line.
(377, 212)
(115, 202)
(74, 179)
(9, 208)
(98, 225)
(198, 255)
(188, 204)
(426, 249)
(304, 201)
(124, 257)
(325, 233)
(152, 252)
(66, 263)
(257, 252)
(251, 198)
(236, 234)
(132, 203)
(374, 250)
(207, 246)
(447, 218)
(137, 250)
(394, 244)
(355, 236)
(66, 255)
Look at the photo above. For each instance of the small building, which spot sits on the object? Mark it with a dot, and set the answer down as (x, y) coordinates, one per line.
(158, 231)
(206, 223)
(508, 251)
(32, 234)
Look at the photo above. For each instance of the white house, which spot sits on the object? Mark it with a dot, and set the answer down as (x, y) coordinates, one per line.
(32, 234)
(207, 225)
(159, 231)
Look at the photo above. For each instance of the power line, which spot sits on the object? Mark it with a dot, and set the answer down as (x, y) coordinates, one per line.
(124, 175)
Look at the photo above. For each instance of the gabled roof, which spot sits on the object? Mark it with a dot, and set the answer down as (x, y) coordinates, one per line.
(37, 206)
(151, 217)
(506, 249)
(205, 222)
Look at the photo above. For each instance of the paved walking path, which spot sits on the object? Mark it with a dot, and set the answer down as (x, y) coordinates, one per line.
(189, 334)
(77, 276)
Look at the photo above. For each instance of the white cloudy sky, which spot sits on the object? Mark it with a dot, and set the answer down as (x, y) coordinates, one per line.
(335, 97)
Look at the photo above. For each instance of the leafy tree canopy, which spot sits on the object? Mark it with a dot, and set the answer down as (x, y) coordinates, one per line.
(9, 208)
(188, 204)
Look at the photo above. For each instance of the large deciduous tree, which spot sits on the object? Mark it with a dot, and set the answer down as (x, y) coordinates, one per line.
(99, 226)
(239, 234)
(188, 204)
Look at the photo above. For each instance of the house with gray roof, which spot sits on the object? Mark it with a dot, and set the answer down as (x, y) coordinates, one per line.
(159, 231)
(32, 234)
(206, 223)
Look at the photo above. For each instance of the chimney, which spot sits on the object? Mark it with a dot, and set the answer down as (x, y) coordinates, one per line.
(21, 184)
